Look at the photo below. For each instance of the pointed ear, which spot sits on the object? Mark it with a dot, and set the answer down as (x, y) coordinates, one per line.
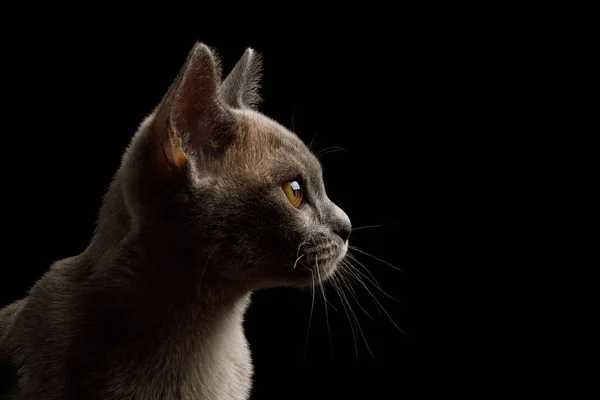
(240, 88)
(188, 119)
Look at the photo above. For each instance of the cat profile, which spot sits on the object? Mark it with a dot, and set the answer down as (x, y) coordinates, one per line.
(212, 200)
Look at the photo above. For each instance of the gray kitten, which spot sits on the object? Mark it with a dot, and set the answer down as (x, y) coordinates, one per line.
(212, 201)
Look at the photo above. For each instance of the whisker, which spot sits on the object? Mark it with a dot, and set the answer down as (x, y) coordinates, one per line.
(377, 301)
(331, 305)
(376, 258)
(311, 141)
(340, 294)
(373, 281)
(293, 114)
(372, 226)
(297, 259)
(312, 306)
(300, 245)
(322, 288)
(329, 150)
(325, 305)
(345, 298)
(345, 278)
(351, 271)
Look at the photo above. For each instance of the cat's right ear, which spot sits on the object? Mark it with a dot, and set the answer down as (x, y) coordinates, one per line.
(240, 88)
(187, 122)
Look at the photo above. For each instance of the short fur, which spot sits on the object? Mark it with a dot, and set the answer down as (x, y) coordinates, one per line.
(194, 220)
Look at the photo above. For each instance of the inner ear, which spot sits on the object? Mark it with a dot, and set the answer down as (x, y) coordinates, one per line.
(173, 150)
(190, 118)
(241, 87)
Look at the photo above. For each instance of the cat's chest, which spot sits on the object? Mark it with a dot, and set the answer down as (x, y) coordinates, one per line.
(223, 371)
(218, 368)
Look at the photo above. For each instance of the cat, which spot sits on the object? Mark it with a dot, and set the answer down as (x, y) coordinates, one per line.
(212, 201)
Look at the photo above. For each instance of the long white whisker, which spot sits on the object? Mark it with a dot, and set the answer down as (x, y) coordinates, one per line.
(345, 278)
(329, 148)
(356, 318)
(377, 301)
(376, 258)
(329, 152)
(352, 272)
(312, 306)
(325, 305)
(340, 294)
(373, 281)
(371, 226)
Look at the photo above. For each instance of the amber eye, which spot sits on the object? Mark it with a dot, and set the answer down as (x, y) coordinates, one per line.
(293, 191)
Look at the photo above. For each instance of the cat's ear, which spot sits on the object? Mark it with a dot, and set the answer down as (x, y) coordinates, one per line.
(189, 117)
(240, 88)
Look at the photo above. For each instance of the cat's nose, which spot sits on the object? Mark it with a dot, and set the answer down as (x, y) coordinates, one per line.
(343, 230)
(339, 222)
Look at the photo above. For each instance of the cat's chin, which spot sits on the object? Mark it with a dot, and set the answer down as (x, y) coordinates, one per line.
(328, 270)
(315, 272)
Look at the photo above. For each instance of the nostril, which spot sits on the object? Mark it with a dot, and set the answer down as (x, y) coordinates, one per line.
(344, 231)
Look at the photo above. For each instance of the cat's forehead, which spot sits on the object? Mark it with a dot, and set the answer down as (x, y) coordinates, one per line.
(265, 138)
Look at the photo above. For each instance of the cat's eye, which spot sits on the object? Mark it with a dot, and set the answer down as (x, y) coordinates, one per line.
(293, 191)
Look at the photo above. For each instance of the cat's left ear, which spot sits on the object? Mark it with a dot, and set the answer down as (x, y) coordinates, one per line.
(191, 120)
(240, 88)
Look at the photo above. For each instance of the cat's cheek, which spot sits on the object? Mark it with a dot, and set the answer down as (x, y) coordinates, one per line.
(306, 215)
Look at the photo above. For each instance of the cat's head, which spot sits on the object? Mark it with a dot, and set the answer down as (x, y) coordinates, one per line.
(227, 184)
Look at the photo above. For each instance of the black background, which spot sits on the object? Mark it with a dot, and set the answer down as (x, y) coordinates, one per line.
(386, 95)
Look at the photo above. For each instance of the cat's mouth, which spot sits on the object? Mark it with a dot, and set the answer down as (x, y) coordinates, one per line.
(321, 258)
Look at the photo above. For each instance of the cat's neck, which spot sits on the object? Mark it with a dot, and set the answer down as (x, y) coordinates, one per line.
(160, 280)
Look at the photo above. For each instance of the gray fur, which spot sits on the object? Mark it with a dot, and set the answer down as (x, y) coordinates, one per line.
(153, 307)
